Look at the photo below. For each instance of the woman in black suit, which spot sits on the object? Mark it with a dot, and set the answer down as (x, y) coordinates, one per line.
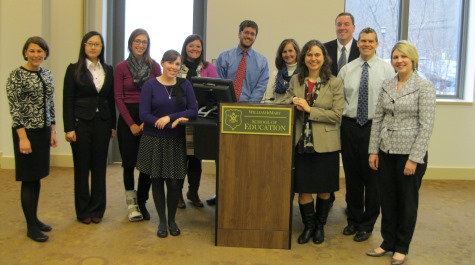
(89, 124)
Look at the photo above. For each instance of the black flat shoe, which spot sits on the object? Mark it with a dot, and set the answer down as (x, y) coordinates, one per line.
(162, 231)
(37, 236)
(173, 228)
(349, 230)
(361, 236)
(43, 227)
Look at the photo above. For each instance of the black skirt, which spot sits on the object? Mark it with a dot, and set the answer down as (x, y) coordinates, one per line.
(317, 172)
(161, 157)
(128, 143)
(35, 165)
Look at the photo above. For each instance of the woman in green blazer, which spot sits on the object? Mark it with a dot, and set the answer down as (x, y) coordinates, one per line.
(318, 97)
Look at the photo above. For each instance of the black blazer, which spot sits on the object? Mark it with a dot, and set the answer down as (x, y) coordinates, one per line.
(84, 102)
(332, 49)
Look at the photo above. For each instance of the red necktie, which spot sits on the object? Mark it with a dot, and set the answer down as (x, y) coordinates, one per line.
(239, 79)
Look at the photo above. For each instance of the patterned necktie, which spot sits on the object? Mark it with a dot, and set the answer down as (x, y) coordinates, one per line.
(239, 79)
(362, 110)
(342, 60)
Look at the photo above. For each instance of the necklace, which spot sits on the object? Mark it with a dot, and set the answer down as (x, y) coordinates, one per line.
(169, 92)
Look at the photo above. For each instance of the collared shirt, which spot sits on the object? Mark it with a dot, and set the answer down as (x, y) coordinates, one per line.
(350, 74)
(347, 47)
(257, 72)
(98, 73)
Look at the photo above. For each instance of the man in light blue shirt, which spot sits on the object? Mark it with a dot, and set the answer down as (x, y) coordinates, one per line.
(257, 69)
(362, 192)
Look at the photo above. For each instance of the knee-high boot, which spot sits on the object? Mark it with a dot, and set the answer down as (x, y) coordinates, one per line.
(308, 218)
(322, 209)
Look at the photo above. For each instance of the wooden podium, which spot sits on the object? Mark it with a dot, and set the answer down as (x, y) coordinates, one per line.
(254, 180)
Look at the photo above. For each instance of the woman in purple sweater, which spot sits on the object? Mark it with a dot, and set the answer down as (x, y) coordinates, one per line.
(165, 101)
(194, 64)
(129, 77)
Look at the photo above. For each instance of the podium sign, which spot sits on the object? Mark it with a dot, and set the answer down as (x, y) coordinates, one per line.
(256, 120)
(254, 181)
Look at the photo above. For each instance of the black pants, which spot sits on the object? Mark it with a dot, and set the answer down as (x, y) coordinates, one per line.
(90, 155)
(362, 190)
(399, 201)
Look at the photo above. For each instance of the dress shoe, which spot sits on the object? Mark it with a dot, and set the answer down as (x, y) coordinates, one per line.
(43, 227)
(194, 199)
(349, 230)
(96, 220)
(84, 220)
(374, 253)
(37, 236)
(162, 231)
(398, 261)
(173, 228)
(211, 200)
(361, 236)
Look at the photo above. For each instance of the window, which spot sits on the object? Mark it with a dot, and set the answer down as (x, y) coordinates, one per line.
(167, 22)
(436, 28)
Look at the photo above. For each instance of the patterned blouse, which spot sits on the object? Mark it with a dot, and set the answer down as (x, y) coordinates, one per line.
(30, 96)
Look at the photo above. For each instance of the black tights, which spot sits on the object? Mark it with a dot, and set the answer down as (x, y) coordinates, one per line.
(173, 191)
(30, 194)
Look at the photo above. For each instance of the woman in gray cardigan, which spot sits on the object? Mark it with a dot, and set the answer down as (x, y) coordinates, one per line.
(400, 135)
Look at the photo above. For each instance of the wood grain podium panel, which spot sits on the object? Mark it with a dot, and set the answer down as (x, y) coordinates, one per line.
(254, 191)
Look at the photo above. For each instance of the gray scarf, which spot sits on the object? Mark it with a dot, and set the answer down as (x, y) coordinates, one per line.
(139, 69)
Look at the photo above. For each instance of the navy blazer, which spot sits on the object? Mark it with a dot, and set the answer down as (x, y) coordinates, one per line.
(332, 50)
(84, 102)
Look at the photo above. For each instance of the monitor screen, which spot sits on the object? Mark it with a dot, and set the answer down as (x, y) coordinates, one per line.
(210, 92)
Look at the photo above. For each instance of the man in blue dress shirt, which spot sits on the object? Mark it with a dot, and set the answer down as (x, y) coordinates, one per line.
(256, 69)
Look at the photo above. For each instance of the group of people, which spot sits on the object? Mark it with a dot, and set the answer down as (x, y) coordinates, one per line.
(379, 116)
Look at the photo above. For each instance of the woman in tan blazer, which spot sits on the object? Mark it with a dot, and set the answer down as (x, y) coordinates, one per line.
(318, 97)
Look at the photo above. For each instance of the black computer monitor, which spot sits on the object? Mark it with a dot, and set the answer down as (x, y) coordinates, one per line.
(210, 92)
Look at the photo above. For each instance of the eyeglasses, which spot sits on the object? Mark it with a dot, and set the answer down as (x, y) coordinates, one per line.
(250, 33)
(93, 45)
(143, 42)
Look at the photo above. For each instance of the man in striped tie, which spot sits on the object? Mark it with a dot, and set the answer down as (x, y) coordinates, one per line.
(362, 80)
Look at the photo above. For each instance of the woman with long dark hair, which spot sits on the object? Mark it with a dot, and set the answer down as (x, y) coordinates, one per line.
(129, 76)
(89, 124)
(30, 93)
(194, 64)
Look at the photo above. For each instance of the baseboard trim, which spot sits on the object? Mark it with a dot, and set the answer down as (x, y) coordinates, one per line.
(8, 162)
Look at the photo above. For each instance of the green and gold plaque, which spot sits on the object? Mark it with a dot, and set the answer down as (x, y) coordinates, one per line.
(264, 120)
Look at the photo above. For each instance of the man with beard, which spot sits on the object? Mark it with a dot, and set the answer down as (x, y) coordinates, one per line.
(248, 69)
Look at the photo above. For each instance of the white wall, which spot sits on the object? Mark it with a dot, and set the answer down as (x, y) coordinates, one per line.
(61, 24)
(301, 20)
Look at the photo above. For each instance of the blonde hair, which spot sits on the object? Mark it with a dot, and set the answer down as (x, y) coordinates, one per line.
(409, 50)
